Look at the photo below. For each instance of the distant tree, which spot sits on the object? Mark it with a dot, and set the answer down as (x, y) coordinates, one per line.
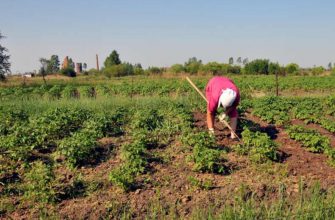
(317, 70)
(138, 65)
(330, 66)
(274, 68)
(213, 68)
(138, 70)
(292, 68)
(239, 60)
(53, 65)
(84, 66)
(71, 63)
(154, 70)
(231, 60)
(69, 71)
(258, 66)
(177, 68)
(4, 61)
(44, 66)
(112, 59)
(245, 61)
(193, 65)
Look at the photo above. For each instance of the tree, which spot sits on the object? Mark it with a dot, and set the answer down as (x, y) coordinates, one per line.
(258, 66)
(84, 66)
(53, 66)
(330, 66)
(274, 68)
(112, 60)
(177, 68)
(239, 60)
(71, 63)
(43, 70)
(231, 61)
(4, 61)
(317, 70)
(292, 68)
(193, 65)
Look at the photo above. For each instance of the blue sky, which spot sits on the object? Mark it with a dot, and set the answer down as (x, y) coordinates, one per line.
(161, 33)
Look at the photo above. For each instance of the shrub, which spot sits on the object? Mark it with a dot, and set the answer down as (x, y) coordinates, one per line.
(193, 65)
(292, 68)
(177, 68)
(213, 68)
(93, 71)
(154, 70)
(68, 72)
(333, 72)
(318, 70)
(124, 69)
(259, 66)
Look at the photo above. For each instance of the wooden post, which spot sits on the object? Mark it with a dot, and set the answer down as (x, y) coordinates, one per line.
(277, 84)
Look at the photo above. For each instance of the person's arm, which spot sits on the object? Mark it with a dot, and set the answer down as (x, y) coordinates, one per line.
(229, 110)
(210, 119)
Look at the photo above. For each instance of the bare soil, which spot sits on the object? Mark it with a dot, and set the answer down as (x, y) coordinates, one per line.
(168, 179)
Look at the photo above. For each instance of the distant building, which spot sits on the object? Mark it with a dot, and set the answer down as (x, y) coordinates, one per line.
(65, 63)
(28, 75)
(79, 68)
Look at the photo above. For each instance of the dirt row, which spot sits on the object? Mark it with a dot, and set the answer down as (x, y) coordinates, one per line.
(168, 182)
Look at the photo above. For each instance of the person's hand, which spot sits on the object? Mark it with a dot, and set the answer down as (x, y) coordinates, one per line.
(211, 131)
(222, 117)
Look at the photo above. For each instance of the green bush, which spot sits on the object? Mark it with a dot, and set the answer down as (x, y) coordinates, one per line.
(124, 69)
(318, 70)
(259, 66)
(154, 70)
(177, 68)
(69, 71)
(193, 65)
(292, 68)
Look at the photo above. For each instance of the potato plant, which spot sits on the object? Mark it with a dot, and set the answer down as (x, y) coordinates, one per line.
(258, 146)
(204, 155)
(309, 138)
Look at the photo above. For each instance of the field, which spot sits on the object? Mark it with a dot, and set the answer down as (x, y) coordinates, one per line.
(138, 148)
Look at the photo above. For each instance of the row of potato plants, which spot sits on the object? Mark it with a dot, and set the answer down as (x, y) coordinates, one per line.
(280, 111)
(148, 129)
(163, 86)
(312, 140)
(72, 132)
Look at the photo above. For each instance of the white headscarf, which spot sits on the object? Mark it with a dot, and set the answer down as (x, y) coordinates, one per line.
(227, 98)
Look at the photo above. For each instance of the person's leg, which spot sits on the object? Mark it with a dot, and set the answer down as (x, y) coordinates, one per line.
(233, 125)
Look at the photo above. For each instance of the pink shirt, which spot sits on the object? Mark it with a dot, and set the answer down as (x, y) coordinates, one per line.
(214, 89)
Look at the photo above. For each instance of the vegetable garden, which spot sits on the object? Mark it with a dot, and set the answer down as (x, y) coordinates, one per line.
(139, 148)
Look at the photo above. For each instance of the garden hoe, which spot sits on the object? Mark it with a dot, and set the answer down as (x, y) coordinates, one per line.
(203, 96)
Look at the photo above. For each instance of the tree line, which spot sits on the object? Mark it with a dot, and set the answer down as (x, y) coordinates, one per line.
(114, 67)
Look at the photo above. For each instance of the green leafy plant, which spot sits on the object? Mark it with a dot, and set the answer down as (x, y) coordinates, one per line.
(38, 183)
(204, 156)
(309, 138)
(258, 146)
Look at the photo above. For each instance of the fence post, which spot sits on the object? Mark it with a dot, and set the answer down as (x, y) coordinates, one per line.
(277, 84)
